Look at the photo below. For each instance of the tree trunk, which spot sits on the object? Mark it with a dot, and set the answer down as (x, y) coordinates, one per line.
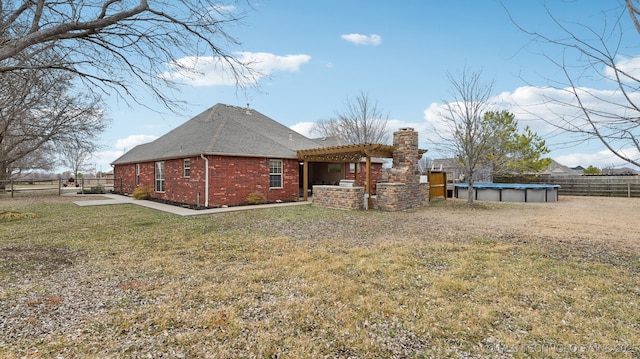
(468, 173)
(4, 176)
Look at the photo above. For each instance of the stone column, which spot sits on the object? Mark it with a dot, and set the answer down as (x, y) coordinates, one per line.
(405, 157)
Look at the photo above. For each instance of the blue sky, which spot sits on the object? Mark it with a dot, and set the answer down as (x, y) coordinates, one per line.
(317, 54)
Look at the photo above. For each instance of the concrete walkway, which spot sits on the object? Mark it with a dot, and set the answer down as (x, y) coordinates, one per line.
(180, 211)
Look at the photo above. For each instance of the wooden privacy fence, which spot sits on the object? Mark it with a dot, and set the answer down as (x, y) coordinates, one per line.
(600, 186)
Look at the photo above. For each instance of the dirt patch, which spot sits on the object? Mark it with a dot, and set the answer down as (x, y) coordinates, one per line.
(599, 222)
(41, 259)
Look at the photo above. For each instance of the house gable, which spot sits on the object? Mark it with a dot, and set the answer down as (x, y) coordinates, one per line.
(223, 130)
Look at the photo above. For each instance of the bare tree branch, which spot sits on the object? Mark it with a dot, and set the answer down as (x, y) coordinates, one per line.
(362, 121)
(120, 45)
(613, 116)
(464, 134)
(39, 115)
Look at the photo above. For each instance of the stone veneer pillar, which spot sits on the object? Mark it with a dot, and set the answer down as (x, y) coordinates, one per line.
(404, 190)
(405, 157)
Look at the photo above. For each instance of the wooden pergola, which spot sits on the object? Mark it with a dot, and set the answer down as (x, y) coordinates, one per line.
(344, 154)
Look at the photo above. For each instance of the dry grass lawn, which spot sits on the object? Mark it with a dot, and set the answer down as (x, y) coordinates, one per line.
(497, 280)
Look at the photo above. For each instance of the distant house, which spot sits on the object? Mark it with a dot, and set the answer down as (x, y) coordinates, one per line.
(455, 171)
(556, 169)
(224, 154)
(624, 171)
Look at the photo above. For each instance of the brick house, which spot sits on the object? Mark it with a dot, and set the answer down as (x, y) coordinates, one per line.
(222, 155)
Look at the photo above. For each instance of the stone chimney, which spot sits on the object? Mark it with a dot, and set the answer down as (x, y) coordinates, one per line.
(405, 157)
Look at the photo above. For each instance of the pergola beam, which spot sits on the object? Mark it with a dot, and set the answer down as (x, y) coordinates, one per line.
(345, 154)
(348, 153)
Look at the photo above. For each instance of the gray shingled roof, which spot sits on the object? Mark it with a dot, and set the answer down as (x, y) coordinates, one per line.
(223, 130)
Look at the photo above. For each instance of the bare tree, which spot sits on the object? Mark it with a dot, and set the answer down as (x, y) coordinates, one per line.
(362, 121)
(76, 156)
(588, 54)
(121, 45)
(425, 163)
(39, 115)
(463, 133)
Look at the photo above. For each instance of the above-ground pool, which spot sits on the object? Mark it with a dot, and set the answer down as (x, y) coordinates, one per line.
(509, 192)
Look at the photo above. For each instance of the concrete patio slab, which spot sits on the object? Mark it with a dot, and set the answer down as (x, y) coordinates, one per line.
(114, 199)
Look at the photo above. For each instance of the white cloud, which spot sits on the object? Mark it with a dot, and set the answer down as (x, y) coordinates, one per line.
(213, 71)
(103, 159)
(546, 109)
(267, 63)
(433, 117)
(359, 39)
(543, 109)
(224, 8)
(125, 144)
(421, 127)
(303, 128)
(628, 65)
(600, 159)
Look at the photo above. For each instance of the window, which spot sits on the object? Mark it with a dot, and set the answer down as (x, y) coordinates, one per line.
(275, 173)
(187, 167)
(137, 174)
(160, 176)
(352, 167)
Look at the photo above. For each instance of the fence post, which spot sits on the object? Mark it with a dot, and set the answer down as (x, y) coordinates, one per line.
(629, 190)
(11, 185)
(59, 186)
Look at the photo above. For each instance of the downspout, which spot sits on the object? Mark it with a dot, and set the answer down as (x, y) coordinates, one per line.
(206, 180)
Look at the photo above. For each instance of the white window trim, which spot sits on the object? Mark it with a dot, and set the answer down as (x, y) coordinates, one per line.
(156, 179)
(186, 167)
(281, 173)
(137, 174)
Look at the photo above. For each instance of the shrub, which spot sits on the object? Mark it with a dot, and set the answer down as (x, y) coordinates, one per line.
(142, 192)
(255, 197)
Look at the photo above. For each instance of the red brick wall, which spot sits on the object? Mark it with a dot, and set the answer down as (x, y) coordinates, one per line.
(231, 179)
(125, 177)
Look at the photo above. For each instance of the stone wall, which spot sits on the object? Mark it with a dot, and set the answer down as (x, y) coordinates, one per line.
(338, 197)
(402, 196)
